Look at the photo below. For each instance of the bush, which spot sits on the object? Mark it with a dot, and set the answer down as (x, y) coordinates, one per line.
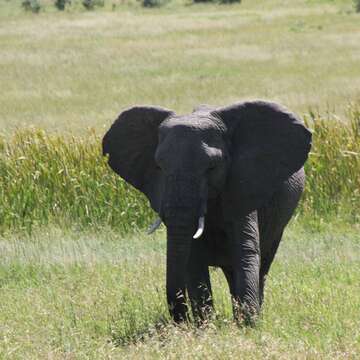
(357, 5)
(229, 1)
(61, 4)
(91, 4)
(153, 3)
(31, 5)
(218, 1)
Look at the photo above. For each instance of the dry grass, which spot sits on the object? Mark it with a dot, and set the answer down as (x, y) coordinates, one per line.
(74, 70)
(98, 295)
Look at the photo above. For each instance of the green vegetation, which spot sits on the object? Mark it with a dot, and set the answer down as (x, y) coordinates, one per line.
(333, 184)
(76, 281)
(218, 1)
(357, 5)
(91, 4)
(61, 4)
(162, 57)
(31, 5)
(153, 3)
(52, 178)
(64, 180)
(99, 295)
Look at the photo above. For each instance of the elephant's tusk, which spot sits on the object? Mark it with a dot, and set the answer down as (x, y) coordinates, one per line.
(154, 226)
(201, 227)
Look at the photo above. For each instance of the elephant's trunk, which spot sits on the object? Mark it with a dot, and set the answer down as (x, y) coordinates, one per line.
(181, 208)
(178, 252)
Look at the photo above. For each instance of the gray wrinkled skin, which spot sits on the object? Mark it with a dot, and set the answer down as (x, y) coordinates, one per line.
(241, 166)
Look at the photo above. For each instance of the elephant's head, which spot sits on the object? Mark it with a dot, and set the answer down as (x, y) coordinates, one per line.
(239, 154)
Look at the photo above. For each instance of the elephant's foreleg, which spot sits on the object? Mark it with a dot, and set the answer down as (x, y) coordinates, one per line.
(245, 264)
(267, 257)
(198, 282)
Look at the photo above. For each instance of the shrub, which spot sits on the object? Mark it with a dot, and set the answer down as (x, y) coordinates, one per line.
(153, 3)
(357, 5)
(61, 4)
(91, 4)
(229, 1)
(31, 5)
(218, 1)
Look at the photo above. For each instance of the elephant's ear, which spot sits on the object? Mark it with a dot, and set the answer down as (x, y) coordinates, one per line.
(267, 144)
(131, 143)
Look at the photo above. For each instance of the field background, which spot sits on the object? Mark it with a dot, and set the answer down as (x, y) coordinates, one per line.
(75, 70)
(77, 278)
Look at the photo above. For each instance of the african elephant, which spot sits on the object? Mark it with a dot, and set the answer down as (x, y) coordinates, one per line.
(231, 175)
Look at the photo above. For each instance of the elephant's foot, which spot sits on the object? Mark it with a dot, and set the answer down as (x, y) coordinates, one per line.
(203, 313)
(178, 308)
(261, 289)
(244, 313)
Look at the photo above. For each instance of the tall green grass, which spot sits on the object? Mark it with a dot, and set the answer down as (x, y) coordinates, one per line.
(333, 168)
(52, 178)
(63, 180)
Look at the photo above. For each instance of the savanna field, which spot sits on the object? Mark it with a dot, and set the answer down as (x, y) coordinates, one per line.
(79, 279)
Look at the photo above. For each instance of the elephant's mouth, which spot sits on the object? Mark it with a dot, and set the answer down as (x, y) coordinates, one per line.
(200, 229)
(200, 223)
(186, 198)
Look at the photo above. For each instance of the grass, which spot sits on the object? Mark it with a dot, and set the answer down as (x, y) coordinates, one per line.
(64, 180)
(101, 295)
(72, 70)
(332, 188)
(74, 283)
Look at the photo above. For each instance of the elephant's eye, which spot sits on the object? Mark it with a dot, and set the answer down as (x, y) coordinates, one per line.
(212, 167)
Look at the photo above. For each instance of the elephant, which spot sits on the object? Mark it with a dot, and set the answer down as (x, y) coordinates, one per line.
(232, 175)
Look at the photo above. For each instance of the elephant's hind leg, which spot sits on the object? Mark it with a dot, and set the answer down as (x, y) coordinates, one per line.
(198, 282)
(273, 219)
